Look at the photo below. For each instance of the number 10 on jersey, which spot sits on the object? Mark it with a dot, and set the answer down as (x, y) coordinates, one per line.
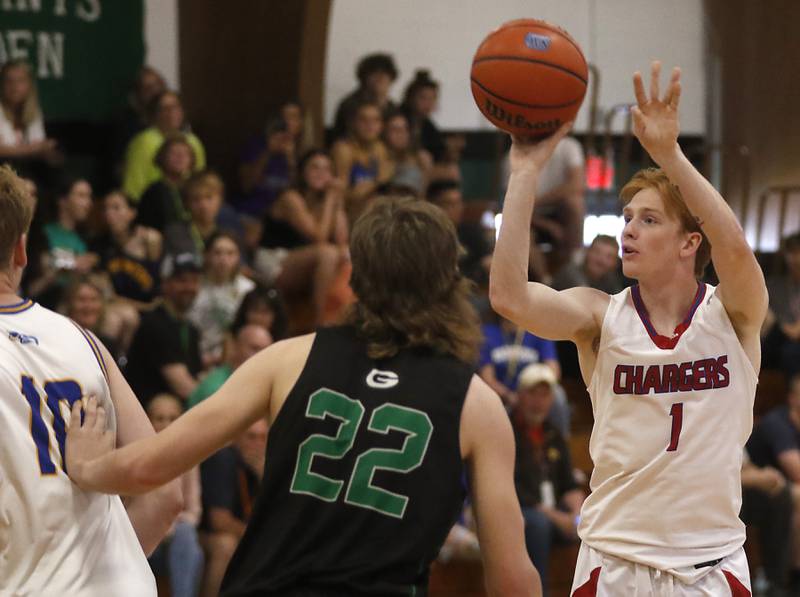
(55, 391)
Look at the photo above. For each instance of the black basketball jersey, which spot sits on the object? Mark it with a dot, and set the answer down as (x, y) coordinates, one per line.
(364, 477)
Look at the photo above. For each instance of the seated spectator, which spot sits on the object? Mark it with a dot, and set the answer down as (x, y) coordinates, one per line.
(475, 263)
(599, 269)
(298, 125)
(775, 443)
(166, 118)
(129, 253)
(179, 555)
(247, 341)
(134, 119)
(203, 196)
(550, 499)
(66, 250)
(419, 102)
(231, 479)
(506, 351)
(165, 354)
(782, 341)
(412, 166)
(84, 304)
(360, 159)
(23, 141)
(162, 203)
(767, 505)
(221, 291)
(304, 242)
(263, 307)
(375, 73)
(266, 168)
(313, 210)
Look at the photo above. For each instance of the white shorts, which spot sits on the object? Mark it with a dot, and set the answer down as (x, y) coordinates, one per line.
(600, 575)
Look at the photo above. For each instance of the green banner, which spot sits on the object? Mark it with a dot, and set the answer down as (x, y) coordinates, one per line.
(85, 53)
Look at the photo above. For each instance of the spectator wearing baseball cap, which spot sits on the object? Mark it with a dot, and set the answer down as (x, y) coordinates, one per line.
(165, 353)
(549, 496)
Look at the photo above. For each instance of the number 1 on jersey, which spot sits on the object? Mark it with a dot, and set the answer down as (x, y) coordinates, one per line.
(676, 412)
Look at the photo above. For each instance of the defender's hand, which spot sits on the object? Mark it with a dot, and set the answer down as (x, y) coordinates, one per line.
(655, 121)
(531, 154)
(87, 440)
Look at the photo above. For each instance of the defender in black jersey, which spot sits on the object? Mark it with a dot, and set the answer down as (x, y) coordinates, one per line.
(371, 424)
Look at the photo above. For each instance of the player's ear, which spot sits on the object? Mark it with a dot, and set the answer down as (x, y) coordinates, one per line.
(20, 251)
(691, 243)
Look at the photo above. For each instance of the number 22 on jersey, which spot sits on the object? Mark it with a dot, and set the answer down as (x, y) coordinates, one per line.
(361, 491)
(56, 392)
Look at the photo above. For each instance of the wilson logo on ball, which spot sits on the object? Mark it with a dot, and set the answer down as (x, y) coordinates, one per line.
(518, 120)
(537, 42)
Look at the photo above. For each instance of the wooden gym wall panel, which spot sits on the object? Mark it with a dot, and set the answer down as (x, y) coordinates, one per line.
(758, 44)
(240, 59)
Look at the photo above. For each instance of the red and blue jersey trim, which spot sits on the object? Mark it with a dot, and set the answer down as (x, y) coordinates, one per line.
(664, 342)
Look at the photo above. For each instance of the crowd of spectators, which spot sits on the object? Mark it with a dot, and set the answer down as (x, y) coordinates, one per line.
(184, 275)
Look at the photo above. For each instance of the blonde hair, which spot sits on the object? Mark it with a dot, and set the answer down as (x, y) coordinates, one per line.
(16, 212)
(674, 205)
(30, 109)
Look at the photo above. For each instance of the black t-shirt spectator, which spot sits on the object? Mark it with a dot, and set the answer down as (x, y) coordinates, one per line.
(161, 339)
(161, 205)
(132, 277)
(428, 135)
(228, 483)
(541, 456)
(774, 434)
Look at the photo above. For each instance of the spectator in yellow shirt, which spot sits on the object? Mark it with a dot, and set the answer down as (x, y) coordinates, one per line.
(167, 118)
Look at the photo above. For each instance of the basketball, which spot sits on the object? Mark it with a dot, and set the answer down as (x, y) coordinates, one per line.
(529, 77)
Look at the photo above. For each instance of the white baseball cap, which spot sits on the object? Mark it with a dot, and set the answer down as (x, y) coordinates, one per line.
(535, 374)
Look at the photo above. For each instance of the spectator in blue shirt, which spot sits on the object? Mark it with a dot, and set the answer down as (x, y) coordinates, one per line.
(505, 352)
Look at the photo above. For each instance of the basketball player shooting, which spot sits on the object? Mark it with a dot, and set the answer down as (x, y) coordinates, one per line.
(670, 364)
(369, 425)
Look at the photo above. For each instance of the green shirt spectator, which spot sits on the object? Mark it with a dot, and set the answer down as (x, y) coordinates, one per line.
(247, 341)
(65, 250)
(210, 384)
(64, 241)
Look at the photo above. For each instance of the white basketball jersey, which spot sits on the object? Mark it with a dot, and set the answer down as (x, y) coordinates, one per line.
(56, 539)
(670, 426)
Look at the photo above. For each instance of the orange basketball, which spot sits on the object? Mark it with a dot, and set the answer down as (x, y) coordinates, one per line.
(529, 77)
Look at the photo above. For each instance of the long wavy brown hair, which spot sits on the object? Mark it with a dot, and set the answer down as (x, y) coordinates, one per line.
(405, 276)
